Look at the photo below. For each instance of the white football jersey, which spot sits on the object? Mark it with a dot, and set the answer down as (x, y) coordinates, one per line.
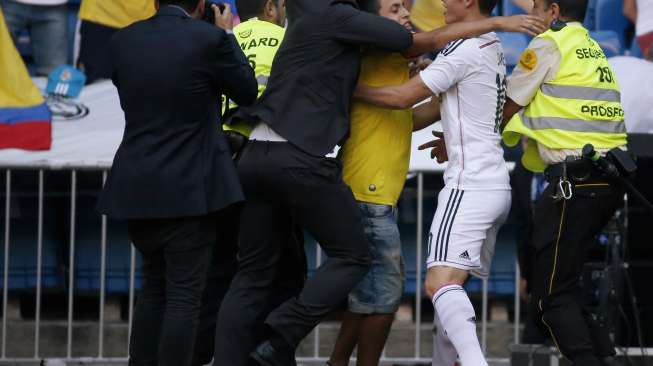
(469, 76)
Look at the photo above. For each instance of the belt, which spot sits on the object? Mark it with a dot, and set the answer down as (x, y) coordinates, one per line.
(573, 170)
(578, 169)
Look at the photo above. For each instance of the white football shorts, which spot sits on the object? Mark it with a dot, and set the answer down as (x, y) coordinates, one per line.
(465, 227)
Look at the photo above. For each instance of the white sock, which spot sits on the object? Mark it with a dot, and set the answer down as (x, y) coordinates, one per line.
(458, 319)
(444, 353)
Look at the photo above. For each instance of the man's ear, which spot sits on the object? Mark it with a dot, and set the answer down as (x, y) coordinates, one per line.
(200, 7)
(270, 9)
(555, 11)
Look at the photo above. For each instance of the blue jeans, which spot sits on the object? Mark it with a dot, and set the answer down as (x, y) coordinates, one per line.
(48, 30)
(381, 290)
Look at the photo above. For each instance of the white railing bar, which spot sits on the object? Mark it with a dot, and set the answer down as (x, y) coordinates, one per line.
(132, 284)
(316, 338)
(484, 316)
(71, 270)
(39, 264)
(103, 269)
(418, 277)
(5, 289)
(517, 302)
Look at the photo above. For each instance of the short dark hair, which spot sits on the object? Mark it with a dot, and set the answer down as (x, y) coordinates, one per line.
(486, 6)
(248, 9)
(188, 5)
(571, 9)
(370, 6)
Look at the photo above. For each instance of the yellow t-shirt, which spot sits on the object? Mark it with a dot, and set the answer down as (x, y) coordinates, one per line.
(427, 15)
(116, 13)
(375, 157)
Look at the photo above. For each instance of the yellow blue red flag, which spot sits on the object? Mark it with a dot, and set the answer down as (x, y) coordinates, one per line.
(25, 120)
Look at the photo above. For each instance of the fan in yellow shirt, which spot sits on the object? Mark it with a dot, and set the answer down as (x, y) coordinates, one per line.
(100, 20)
(427, 15)
(375, 161)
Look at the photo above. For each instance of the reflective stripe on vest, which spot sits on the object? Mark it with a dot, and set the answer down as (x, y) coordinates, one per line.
(574, 125)
(581, 92)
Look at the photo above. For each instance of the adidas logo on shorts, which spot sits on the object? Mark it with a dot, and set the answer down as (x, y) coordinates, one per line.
(464, 255)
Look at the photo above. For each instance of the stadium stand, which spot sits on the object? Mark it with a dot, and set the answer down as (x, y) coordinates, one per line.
(609, 17)
(610, 42)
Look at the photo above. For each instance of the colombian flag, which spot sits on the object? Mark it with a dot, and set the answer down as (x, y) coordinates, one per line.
(25, 120)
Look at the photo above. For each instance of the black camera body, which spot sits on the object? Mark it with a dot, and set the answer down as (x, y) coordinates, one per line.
(209, 15)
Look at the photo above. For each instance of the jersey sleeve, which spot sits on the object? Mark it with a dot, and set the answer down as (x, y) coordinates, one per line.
(449, 68)
(538, 64)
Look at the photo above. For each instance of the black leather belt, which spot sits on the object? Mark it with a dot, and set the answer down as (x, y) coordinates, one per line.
(577, 169)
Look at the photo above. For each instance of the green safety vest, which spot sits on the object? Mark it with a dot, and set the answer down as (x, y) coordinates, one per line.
(580, 106)
(260, 41)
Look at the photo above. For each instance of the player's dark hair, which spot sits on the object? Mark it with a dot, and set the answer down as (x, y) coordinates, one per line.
(248, 9)
(486, 6)
(188, 5)
(571, 9)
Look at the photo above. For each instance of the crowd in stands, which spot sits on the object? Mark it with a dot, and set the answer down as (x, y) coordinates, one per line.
(47, 23)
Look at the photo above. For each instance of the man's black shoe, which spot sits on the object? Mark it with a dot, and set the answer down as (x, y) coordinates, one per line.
(266, 355)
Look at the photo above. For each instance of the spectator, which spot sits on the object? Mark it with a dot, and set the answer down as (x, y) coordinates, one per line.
(427, 15)
(632, 73)
(640, 12)
(525, 5)
(100, 20)
(46, 23)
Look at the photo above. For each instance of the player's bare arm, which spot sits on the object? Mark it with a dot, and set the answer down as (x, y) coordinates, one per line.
(394, 97)
(426, 114)
(509, 109)
(438, 38)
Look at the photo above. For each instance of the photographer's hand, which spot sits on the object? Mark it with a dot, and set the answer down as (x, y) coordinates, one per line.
(223, 19)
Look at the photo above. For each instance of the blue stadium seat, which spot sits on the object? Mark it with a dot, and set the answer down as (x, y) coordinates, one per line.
(609, 42)
(609, 16)
(635, 51)
(22, 257)
(513, 46)
(509, 8)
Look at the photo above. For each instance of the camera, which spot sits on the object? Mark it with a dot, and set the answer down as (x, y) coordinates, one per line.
(209, 15)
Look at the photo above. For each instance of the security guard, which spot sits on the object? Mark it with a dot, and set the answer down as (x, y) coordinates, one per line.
(259, 37)
(562, 96)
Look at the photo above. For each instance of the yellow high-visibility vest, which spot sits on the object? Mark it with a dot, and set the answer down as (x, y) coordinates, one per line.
(116, 13)
(260, 41)
(581, 105)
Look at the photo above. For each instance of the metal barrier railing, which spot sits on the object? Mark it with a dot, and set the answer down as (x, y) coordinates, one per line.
(416, 357)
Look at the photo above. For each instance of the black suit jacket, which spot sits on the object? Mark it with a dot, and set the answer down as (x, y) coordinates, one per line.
(170, 71)
(308, 95)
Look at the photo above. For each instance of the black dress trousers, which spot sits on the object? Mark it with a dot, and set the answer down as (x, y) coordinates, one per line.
(564, 233)
(282, 182)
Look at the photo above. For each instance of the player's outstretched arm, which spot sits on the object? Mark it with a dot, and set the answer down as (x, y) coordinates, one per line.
(403, 96)
(509, 109)
(438, 38)
(426, 114)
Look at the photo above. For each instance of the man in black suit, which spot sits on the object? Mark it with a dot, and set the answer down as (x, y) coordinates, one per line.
(301, 117)
(173, 178)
